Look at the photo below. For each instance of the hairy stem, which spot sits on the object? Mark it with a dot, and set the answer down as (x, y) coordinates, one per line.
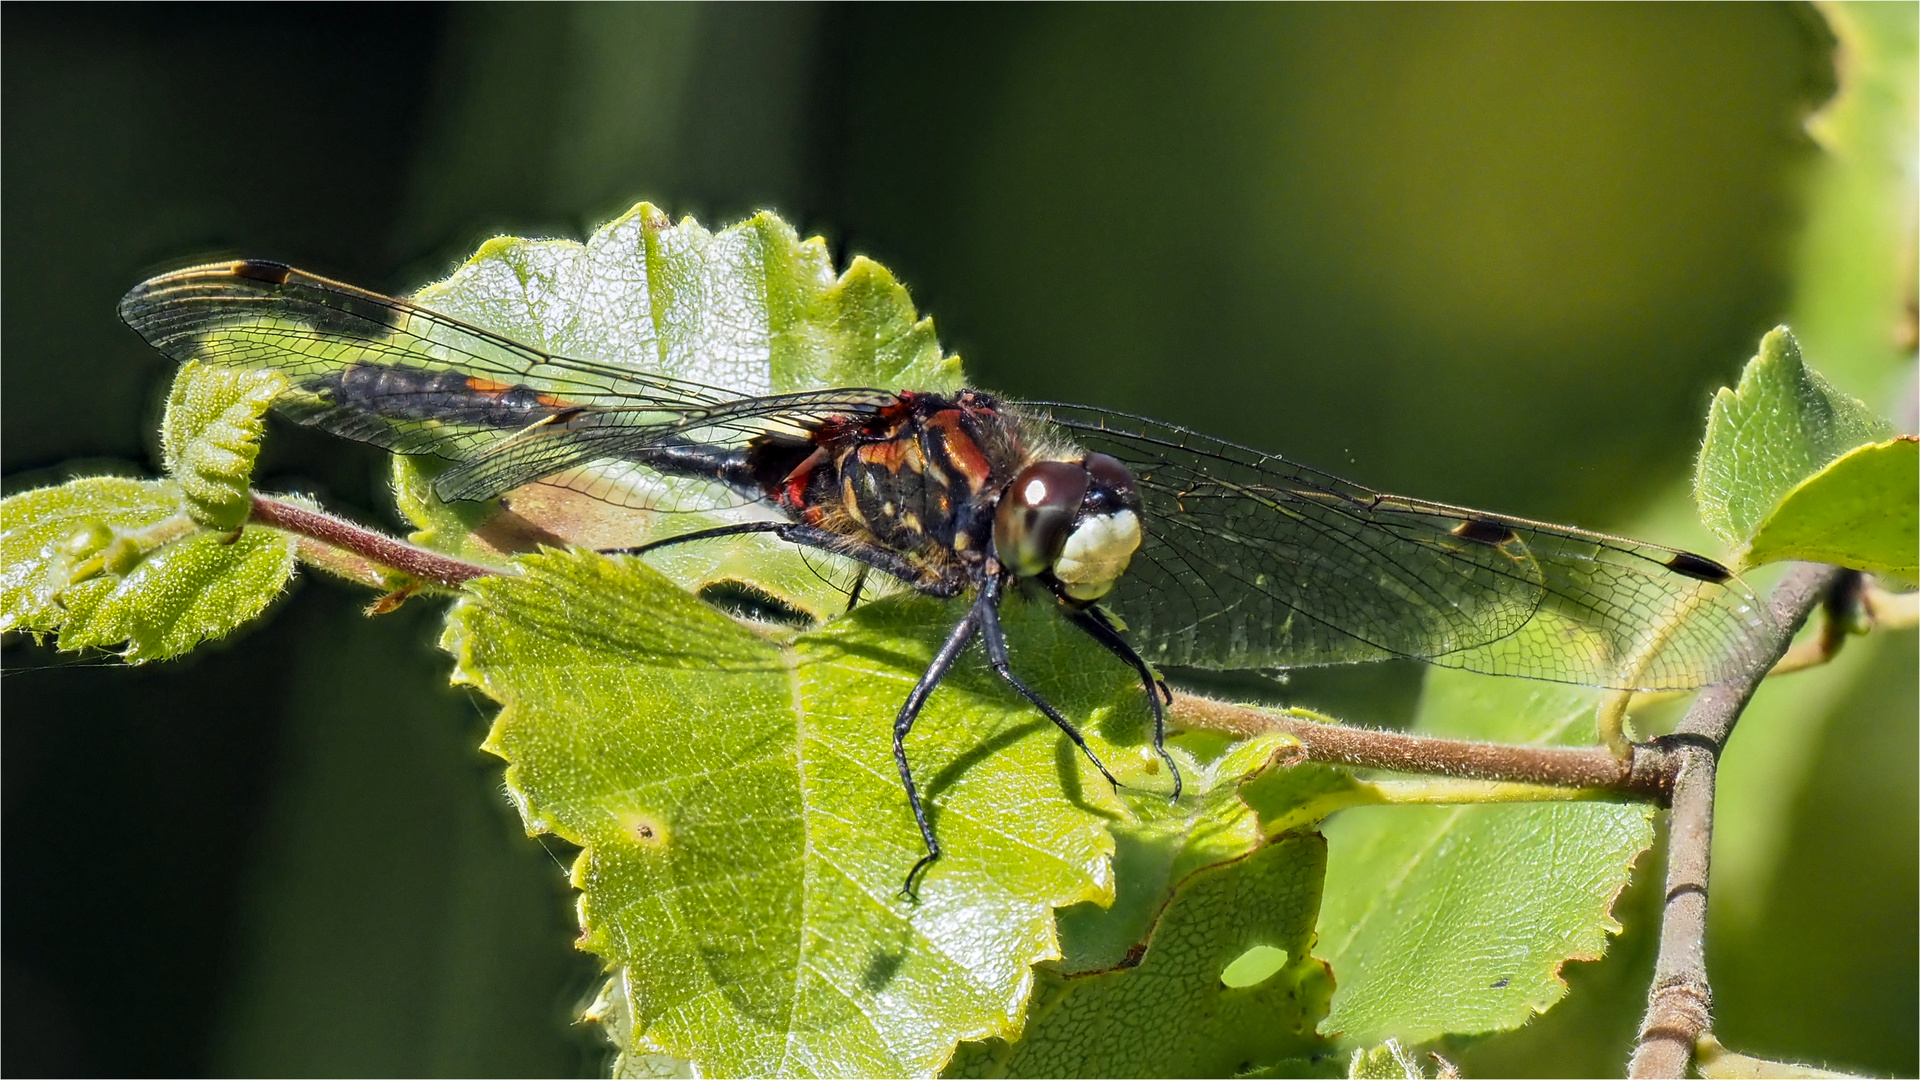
(377, 548)
(1680, 1001)
(1644, 773)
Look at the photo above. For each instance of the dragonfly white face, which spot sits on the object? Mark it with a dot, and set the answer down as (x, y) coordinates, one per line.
(1097, 553)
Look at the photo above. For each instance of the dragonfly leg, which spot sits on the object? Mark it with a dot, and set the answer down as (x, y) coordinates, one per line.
(1099, 628)
(909, 712)
(887, 562)
(859, 582)
(876, 558)
(699, 534)
(988, 607)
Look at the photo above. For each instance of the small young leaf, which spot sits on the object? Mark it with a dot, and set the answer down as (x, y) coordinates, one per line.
(211, 435)
(108, 560)
(745, 833)
(1388, 1061)
(200, 586)
(1782, 424)
(1457, 919)
(156, 565)
(51, 537)
(1862, 511)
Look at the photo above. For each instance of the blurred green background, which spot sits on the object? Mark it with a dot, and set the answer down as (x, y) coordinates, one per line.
(1485, 254)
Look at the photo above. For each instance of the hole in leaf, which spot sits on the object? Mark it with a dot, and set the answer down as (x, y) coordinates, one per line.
(1253, 967)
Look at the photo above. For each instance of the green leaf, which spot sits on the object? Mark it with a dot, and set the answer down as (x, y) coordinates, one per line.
(155, 565)
(751, 308)
(1172, 1015)
(1782, 424)
(211, 435)
(1442, 920)
(107, 561)
(745, 833)
(1202, 965)
(456, 529)
(192, 589)
(1164, 844)
(1862, 511)
(51, 537)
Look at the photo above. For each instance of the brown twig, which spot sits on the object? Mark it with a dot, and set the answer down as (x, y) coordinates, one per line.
(1680, 1001)
(376, 547)
(1645, 774)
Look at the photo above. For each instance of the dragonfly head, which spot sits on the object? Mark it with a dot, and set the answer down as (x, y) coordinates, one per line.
(1078, 519)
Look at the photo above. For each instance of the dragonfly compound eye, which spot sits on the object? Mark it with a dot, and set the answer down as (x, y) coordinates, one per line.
(1113, 485)
(1031, 525)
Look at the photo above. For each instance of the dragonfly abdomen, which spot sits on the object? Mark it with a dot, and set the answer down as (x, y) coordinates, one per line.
(445, 396)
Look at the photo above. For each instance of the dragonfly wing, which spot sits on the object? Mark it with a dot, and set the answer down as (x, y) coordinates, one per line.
(1254, 561)
(576, 437)
(390, 372)
(383, 370)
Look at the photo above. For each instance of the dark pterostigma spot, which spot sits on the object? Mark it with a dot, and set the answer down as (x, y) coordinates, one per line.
(1699, 566)
(1482, 531)
(266, 270)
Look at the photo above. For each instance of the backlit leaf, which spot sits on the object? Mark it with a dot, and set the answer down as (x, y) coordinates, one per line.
(1862, 511)
(211, 434)
(1782, 424)
(111, 562)
(752, 309)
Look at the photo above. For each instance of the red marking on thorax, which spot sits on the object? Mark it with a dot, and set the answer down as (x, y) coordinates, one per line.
(892, 454)
(962, 450)
(793, 490)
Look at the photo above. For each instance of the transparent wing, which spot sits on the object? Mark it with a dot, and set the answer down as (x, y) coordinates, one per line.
(1253, 561)
(389, 372)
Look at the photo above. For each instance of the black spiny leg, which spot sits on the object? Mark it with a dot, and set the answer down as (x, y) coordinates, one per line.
(988, 609)
(699, 534)
(1095, 623)
(909, 712)
(832, 543)
(887, 562)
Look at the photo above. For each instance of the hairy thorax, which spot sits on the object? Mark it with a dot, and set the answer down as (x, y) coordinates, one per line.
(920, 477)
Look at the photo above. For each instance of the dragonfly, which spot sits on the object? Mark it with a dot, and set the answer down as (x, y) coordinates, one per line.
(1166, 546)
